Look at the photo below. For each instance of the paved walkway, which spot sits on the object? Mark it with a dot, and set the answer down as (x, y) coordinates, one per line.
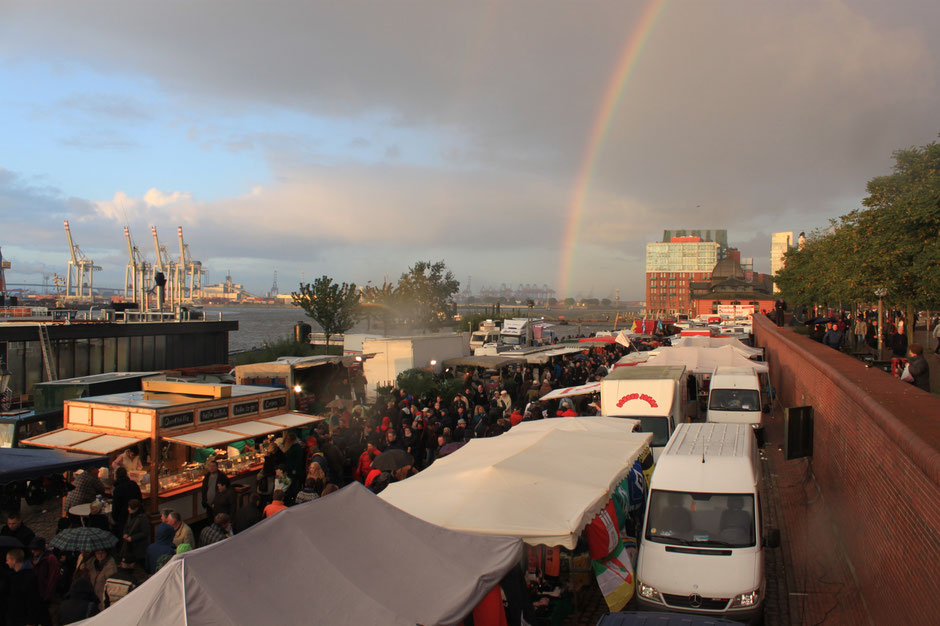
(813, 578)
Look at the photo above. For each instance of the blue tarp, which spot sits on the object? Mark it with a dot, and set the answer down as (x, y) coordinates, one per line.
(25, 463)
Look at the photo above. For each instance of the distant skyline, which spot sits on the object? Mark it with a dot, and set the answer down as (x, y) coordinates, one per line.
(525, 142)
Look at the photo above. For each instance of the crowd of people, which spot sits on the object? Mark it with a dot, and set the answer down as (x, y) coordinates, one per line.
(42, 585)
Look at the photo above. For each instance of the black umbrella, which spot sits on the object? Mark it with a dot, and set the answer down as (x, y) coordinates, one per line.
(391, 460)
(83, 539)
(8, 543)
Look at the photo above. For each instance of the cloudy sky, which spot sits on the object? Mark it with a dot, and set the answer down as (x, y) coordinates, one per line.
(355, 138)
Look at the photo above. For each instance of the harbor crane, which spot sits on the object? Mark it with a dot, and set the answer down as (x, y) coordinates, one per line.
(79, 266)
(189, 272)
(137, 273)
(165, 271)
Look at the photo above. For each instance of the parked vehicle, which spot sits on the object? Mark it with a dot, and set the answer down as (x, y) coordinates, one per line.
(657, 396)
(734, 396)
(702, 545)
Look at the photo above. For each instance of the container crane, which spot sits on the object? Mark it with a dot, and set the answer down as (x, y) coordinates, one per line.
(190, 271)
(137, 273)
(79, 265)
(166, 267)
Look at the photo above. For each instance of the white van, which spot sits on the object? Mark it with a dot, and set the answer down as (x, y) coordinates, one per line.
(657, 396)
(734, 396)
(702, 550)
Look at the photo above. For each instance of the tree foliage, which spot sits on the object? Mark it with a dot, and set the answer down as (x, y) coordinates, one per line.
(335, 307)
(893, 242)
(426, 294)
(381, 303)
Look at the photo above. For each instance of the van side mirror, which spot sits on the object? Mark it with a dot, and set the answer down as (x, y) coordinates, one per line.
(772, 540)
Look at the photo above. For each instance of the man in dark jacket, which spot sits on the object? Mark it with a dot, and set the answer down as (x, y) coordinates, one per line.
(248, 515)
(22, 598)
(210, 486)
(917, 367)
(136, 533)
(161, 546)
(123, 491)
(224, 499)
(17, 529)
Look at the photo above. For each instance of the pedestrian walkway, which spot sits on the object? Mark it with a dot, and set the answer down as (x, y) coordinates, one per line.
(819, 582)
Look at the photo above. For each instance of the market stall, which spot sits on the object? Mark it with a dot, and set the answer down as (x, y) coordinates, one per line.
(348, 558)
(168, 424)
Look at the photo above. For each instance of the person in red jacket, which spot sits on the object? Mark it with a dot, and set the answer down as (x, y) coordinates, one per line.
(365, 463)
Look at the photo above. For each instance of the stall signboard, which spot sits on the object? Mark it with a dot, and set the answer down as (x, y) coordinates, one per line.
(270, 404)
(213, 413)
(176, 419)
(244, 408)
(731, 311)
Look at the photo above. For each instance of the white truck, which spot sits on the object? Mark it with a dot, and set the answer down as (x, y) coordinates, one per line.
(657, 396)
(702, 546)
(394, 355)
(488, 333)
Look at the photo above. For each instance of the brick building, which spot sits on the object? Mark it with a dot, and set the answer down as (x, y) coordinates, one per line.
(673, 264)
(730, 284)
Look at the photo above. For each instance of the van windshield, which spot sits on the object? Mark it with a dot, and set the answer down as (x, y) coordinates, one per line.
(701, 519)
(659, 426)
(6, 435)
(734, 400)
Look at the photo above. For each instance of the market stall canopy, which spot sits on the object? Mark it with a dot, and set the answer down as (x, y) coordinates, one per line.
(489, 362)
(545, 355)
(717, 342)
(633, 358)
(280, 367)
(703, 360)
(73, 440)
(243, 430)
(567, 392)
(25, 463)
(543, 483)
(371, 564)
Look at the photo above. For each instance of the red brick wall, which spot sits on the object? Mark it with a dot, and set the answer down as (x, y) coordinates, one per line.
(877, 460)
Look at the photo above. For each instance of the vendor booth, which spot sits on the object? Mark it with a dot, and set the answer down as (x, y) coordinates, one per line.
(551, 483)
(347, 558)
(175, 428)
(310, 379)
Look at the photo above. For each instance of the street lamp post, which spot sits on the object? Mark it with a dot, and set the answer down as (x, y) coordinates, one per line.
(881, 292)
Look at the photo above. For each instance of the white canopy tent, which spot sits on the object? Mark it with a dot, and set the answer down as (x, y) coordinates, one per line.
(567, 392)
(543, 481)
(703, 360)
(348, 558)
(717, 342)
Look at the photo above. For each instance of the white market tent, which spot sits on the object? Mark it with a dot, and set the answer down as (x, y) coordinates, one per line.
(703, 360)
(578, 390)
(347, 558)
(543, 481)
(717, 342)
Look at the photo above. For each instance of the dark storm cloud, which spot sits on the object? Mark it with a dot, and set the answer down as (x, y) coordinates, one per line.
(749, 116)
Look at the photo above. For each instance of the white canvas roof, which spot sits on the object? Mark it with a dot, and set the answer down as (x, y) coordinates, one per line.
(82, 441)
(567, 392)
(717, 342)
(542, 481)
(703, 360)
(347, 558)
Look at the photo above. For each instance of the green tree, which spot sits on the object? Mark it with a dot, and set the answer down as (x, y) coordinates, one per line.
(426, 293)
(569, 301)
(893, 242)
(606, 302)
(380, 303)
(334, 306)
(553, 302)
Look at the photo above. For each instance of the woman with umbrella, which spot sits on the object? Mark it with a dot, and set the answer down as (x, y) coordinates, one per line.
(95, 562)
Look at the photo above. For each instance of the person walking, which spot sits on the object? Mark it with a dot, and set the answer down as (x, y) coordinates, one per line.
(936, 335)
(136, 533)
(860, 330)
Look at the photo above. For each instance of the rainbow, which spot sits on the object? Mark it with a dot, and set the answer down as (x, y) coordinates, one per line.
(615, 89)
